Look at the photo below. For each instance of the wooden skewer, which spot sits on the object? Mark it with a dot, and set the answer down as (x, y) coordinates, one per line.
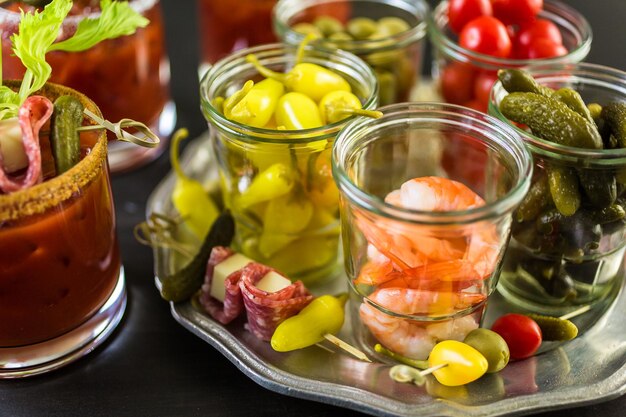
(575, 313)
(347, 347)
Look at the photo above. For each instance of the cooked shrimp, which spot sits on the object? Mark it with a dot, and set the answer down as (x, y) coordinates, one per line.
(413, 338)
(434, 194)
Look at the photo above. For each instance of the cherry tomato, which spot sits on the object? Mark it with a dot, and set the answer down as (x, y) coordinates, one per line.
(521, 333)
(512, 12)
(462, 11)
(476, 105)
(482, 86)
(539, 29)
(486, 35)
(457, 83)
(545, 48)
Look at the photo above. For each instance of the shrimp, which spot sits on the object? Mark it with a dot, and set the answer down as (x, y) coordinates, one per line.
(413, 338)
(434, 194)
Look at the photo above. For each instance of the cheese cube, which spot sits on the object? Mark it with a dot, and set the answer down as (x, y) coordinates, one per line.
(223, 270)
(272, 282)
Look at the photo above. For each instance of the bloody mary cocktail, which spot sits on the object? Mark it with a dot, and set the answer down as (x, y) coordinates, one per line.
(127, 77)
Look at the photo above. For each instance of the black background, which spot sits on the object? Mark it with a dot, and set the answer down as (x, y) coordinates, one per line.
(151, 366)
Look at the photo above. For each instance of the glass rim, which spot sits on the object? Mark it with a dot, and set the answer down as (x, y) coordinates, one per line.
(358, 47)
(508, 138)
(457, 52)
(285, 137)
(140, 6)
(581, 70)
(50, 193)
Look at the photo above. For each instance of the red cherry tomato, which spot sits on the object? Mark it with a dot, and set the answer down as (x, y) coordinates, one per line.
(521, 333)
(457, 83)
(512, 12)
(482, 86)
(476, 105)
(539, 29)
(462, 11)
(486, 35)
(545, 48)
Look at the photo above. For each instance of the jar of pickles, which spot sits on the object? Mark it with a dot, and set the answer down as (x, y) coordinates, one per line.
(569, 235)
(467, 54)
(386, 34)
(423, 245)
(276, 172)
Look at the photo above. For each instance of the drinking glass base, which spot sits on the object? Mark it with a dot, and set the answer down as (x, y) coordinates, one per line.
(23, 361)
(125, 156)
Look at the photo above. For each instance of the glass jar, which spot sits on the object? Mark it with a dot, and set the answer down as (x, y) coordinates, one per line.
(465, 77)
(278, 183)
(555, 262)
(394, 54)
(127, 77)
(226, 27)
(420, 276)
(61, 283)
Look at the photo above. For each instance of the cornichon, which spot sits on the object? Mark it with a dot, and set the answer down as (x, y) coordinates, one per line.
(600, 187)
(516, 80)
(574, 101)
(614, 114)
(182, 284)
(550, 119)
(64, 138)
(563, 184)
(554, 328)
(608, 214)
(535, 201)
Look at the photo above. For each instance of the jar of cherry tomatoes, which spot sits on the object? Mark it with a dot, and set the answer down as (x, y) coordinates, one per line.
(472, 39)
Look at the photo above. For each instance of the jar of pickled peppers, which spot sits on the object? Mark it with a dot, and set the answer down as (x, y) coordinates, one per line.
(569, 233)
(277, 180)
(388, 35)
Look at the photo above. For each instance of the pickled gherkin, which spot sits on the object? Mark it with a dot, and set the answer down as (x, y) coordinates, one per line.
(574, 101)
(564, 187)
(515, 80)
(614, 115)
(536, 200)
(600, 187)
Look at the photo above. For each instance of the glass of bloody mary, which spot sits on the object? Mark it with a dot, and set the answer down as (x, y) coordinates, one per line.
(61, 283)
(127, 77)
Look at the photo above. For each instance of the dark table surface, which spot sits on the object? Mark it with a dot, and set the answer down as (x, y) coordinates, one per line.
(151, 365)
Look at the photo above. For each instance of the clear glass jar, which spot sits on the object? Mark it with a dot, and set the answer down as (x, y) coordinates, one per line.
(395, 57)
(417, 277)
(556, 263)
(127, 77)
(293, 223)
(464, 77)
(61, 282)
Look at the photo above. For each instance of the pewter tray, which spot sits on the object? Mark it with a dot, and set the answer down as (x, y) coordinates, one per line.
(589, 369)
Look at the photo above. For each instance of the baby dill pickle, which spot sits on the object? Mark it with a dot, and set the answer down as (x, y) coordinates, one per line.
(550, 119)
(608, 214)
(600, 187)
(614, 115)
(563, 184)
(554, 328)
(182, 284)
(537, 199)
(574, 101)
(595, 110)
(64, 138)
(516, 80)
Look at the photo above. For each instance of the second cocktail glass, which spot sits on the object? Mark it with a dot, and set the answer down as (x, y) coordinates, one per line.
(423, 246)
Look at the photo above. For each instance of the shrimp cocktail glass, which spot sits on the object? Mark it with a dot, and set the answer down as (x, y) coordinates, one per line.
(127, 77)
(387, 34)
(61, 283)
(273, 149)
(569, 235)
(423, 247)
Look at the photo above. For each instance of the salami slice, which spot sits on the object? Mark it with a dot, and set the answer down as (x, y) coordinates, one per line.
(32, 115)
(233, 304)
(266, 310)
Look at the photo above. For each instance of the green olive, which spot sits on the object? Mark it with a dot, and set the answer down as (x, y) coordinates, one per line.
(361, 27)
(387, 87)
(341, 37)
(385, 59)
(328, 25)
(392, 26)
(491, 345)
(306, 28)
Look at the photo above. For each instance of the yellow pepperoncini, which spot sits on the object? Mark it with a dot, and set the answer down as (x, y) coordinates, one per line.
(296, 111)
(234, 98)
(189, 197)
(324, 315)
(458, 363)
(338, 105)
(257, 106)
(275, 181)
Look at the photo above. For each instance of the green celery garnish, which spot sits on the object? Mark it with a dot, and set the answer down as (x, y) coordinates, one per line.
(38, 31)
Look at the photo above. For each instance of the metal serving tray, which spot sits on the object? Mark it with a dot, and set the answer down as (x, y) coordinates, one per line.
(589, 369)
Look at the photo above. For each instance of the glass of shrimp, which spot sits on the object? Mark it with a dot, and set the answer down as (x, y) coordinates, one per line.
(424, 240)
